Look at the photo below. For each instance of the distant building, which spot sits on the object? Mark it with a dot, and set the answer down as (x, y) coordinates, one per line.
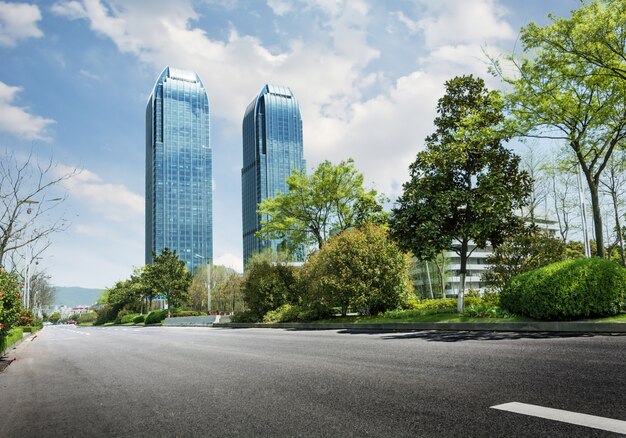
(272, 150)
(179, 192)
(476, 266)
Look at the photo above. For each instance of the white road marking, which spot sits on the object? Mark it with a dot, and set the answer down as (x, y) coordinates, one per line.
(609, 424)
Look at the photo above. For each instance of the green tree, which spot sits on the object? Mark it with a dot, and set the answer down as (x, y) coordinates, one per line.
(465, 186)
(316, 207)
(523, 252)
(268, 286)
(54, 318)
(168, 277)
(571, 87)
(360, 269)
(198, 291)
(10, 301)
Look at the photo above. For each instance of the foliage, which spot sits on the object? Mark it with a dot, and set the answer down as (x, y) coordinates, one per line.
(431, 307)
(129, 318)
(139, 319)
(570, 289)
(198, 292)
(26, 318)
(155, 317)
(10, 301)
(268, 286)
(315, 208)
(54, 317)
(284, 313)
(87, 317)
(523, 252)
(168, 277)
(361, 269)
(571, 87)
(465, 186)
(106, 313)
(10, 337)
(245, 316)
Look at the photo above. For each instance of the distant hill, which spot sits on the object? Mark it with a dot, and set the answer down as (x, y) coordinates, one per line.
(75, 296)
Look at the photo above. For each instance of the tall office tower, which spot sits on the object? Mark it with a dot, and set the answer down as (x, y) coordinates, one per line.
(179, 158)
(272, 150)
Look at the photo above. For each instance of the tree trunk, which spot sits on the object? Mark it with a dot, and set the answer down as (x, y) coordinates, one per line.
(597, 217)
(618, 226)
(460, 303)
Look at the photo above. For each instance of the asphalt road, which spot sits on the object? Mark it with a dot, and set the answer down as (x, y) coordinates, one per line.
(162, 381)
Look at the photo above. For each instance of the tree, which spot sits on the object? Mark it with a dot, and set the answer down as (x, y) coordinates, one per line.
(230, 292)
(27, 199)
(168, 277)
(572, 88)
(316, 207)
(523, 252)
(614, 185)
(465, 186)
(10, 302)
(360, 269)
(199, 293)
(41, 291)
(268, 286)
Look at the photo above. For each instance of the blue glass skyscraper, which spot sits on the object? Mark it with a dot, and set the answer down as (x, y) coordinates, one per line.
(272, 150)
(179, 158)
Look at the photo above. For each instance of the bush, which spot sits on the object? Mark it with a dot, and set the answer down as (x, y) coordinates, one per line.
(432, 307)
(285, 313)
(106, 313)
(246, 316)
(268, 286)
(86, 318)
(570, 289)
(155, 317)
(9, 338)
(139, 319)
(10, 301)
(128, 318)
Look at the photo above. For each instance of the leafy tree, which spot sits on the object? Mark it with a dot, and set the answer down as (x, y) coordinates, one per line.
(230, 293)
(332, 199)
(465, 186)
(168, 277)
(10, 302)
(54, 317)
(268, 286)
(198, 291)
(523, 252)
(571, 87)
(361, 269)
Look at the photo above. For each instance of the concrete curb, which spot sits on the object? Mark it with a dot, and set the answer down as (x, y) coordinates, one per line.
(535, 326)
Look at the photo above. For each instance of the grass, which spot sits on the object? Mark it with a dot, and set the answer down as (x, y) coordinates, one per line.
(440, 317)
(14, 336)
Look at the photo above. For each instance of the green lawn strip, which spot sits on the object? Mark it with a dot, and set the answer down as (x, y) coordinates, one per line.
(13, 337)
(450, 317)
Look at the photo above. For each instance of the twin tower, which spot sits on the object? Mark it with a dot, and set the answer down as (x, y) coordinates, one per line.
(179, 163)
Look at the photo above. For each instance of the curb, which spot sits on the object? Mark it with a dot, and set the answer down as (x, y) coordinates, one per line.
(559, 326)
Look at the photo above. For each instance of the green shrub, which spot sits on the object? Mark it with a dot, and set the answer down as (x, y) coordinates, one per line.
(485, 311)
(10, 338)
(285, 313)
(246, 316)
(139, 319)
(156, 316)
(31, 329)
(431, 307)
(85, 318)
(570, 289)
(106, 313)
(129, 318)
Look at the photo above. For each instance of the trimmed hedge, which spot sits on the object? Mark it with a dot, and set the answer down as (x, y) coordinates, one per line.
(13, 336)
(156, 316)
(571, 289)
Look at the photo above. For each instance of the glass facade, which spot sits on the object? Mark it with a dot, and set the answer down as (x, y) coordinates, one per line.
(272, 150)
(179, 192)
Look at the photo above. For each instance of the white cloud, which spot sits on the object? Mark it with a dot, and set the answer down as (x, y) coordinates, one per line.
(89, 75)
(280, 7)
(17, 120)
(114, 202)
(451, 22)
(230, 260)
(73, 10)
(18, 21)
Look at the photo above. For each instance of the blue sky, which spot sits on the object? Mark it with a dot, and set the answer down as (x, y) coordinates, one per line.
(76, 76)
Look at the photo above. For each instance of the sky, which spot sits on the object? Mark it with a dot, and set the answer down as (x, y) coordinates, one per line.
(76, 76)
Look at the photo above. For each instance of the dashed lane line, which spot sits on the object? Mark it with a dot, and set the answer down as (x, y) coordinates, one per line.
(608, 424)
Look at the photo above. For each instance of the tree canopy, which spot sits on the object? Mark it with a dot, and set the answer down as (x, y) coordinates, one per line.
(465, 186)
(570, 86)
(316, 207)
(168, 277)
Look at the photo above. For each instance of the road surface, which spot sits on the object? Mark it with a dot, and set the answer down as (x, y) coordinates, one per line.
(164, 381)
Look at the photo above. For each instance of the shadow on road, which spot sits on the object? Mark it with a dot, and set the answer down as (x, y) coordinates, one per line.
(441, 336)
